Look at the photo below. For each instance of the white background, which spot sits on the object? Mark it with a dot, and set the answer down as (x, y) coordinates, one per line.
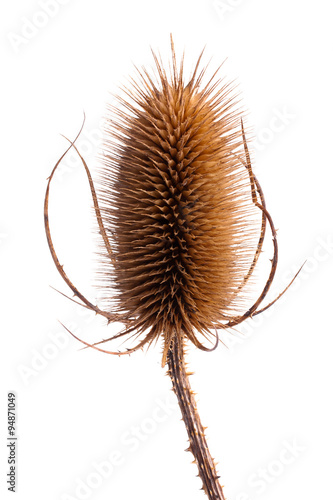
(271, 388)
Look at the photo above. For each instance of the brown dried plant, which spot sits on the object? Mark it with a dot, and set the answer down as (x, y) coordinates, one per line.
(178, 214)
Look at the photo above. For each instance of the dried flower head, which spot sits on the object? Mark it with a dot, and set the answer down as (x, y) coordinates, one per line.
(177, 206)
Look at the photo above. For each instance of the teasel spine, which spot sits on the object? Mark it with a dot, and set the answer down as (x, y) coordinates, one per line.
(195, 430)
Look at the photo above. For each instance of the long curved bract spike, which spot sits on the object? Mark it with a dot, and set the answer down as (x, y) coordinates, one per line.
(266, 216)
(255, 191)
(270, 278)
(59, 267)
(117, 353)
(280, 294)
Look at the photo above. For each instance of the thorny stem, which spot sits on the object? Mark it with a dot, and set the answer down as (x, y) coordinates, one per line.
(195, 430)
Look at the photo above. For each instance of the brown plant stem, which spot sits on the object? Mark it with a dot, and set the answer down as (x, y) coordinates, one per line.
(195, 430)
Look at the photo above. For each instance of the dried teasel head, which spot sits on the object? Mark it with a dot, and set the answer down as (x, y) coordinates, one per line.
(177, 208)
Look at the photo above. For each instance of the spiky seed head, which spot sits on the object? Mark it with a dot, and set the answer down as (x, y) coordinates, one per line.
(176, 204)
